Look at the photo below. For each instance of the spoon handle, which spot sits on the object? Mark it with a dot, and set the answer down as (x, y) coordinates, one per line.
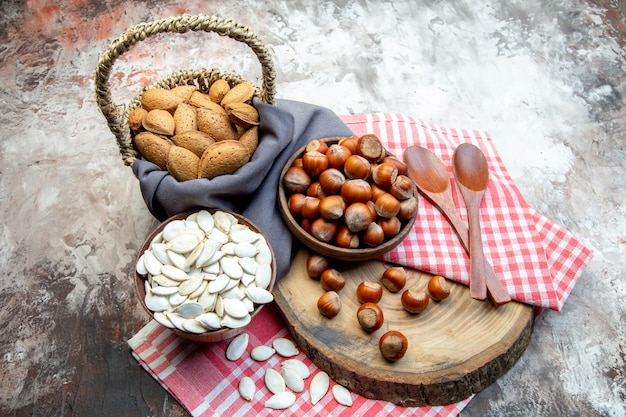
(478, 286)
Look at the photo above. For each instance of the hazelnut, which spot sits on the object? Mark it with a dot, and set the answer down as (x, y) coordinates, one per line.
(393, 345)
(438, 288)
(337, 155)
(403, 188)
(316, 145)
(324, 230)
(329, 304)
(296, 180)
(401, 165)
(356, 190)
(387, 205)
(358, 217)
(394, 278)
(370, 147)
(350, 143)
(376, 191)
(314, 163)
(346, 238)
(305, 224)
(384, 175)
(332, 280)
(370, 317)
(356, 167)
(332, 181)
(316, 265)
(295, 203)
(391, 226)
(310, 208)
(332, 207)
(315, 190)
(373, 235)
(414, 300)
(369, 292)
(408, 208)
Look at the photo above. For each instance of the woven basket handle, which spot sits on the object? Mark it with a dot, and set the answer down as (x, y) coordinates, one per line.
(115, 114)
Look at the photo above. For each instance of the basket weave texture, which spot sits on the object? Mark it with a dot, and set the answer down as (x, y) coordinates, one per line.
(116, 115)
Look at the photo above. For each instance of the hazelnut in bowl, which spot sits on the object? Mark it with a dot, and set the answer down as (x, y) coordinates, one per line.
(205, 274)
(347, 198)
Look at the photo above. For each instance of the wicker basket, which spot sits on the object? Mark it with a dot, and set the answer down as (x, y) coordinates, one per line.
(117, 115)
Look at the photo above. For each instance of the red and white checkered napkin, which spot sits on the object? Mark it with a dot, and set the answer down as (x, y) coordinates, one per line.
(204, 382)
(537, 260)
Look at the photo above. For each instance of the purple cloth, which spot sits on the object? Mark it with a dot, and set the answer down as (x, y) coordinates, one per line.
(252, 190)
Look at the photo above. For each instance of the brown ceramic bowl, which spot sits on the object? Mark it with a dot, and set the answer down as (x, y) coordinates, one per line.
(213, 335)
(329, 249)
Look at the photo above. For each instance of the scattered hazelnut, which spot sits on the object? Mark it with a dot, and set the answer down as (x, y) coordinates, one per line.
(329, 304)
(393, 345)
(394, 278)
(316, 265)
(370, 317)
(332, 280)
(370, 292)
(414, 300)
(438, 288)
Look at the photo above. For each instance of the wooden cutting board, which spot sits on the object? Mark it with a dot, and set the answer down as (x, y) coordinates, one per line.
(457, 347)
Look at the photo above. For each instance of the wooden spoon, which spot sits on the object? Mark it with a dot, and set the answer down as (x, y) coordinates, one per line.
(432, 180)
(472, 176)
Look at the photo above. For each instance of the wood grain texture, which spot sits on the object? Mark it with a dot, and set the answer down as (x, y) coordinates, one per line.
(457, 347)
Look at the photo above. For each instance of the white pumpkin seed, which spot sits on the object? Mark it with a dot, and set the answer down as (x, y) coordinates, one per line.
(177, 260)
(219, 305)
(293, 379)
(248, 304)
(174, 273)
(259, 295)
(161, 290)
(285, 347)
(208, 299)
(164, 281)
(176, 319)
(342, 395)
(205, 221)
(177, 299)
(245, 250)
(235, 292)
(237, 347)
(219, 283)
(228, 248)
(249, 265)
(224, 221)
(160, 252)
(265, 253)
(218, 236)
(192, 218)
(262, 353)
(234, 323)
(263, 276)
(152, 264)
(172, 229)
(235, 308)
(194, 326)
(244, 235)
(247, 388)
(156, 302)
(319, 386)
(140, 267)
(190, 309)
(210, 320)
(185, 241)
(247, 279)
(162, 319)
(281, 400)
(231, 267)
(213, 268)
(201, 289)
(158, 238)
(297, 365)
(207, 252)
(274, 381)
(193, 256)
(232, 283)
(190, 285)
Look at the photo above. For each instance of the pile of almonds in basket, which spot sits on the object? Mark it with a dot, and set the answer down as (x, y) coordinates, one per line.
(350, 193)
(194, 135)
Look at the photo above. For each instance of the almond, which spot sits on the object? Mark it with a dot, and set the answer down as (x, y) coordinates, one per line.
(242, 114)
(250, 138)
(185, 118)
(159, 121)
(216, 124)
(199, 99)
(223, 158)
(218, 90)
(193, 140)
(184, 92)
(158, 98)
(240, 93)
(135, 118)
(153, 147)
(182, 163)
